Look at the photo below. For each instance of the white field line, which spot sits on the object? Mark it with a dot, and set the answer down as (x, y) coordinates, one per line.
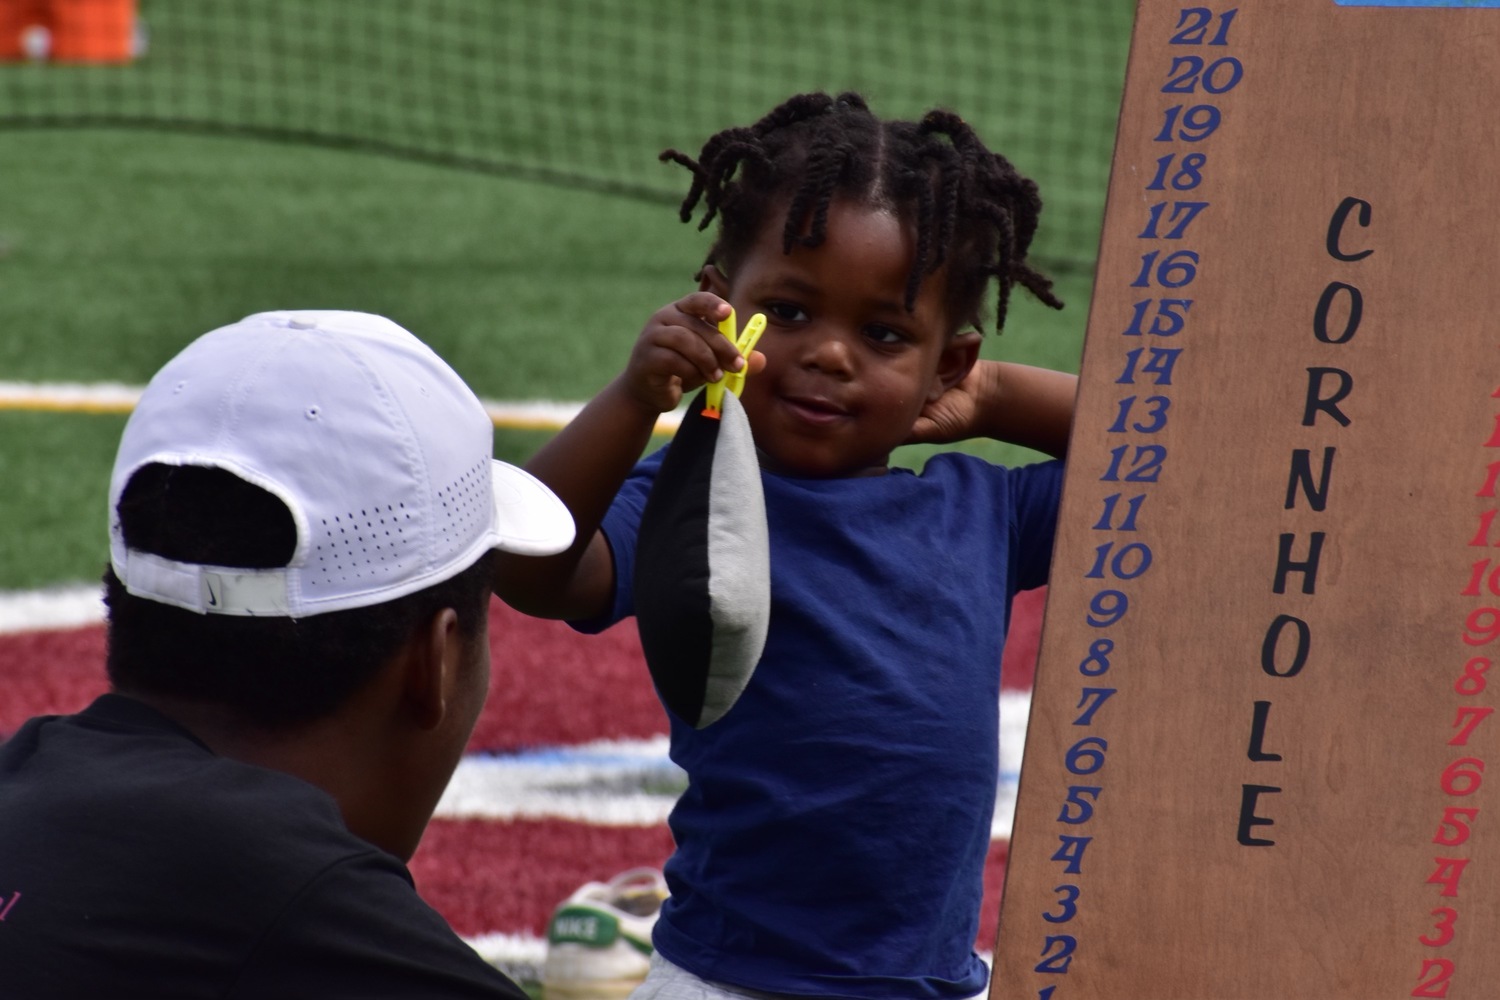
(112, 397)
(604, 783)
(56, 607)
(519, 956)
(1015, 710)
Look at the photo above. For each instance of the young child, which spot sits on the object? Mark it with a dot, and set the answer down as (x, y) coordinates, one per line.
(832, 838)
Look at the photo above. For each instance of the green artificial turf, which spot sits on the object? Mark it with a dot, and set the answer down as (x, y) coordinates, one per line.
(119, 247)
(233, 168)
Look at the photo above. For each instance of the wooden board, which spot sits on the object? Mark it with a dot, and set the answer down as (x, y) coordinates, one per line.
(1258, 749)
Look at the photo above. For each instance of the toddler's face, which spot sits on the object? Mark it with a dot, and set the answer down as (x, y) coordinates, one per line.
(848, 369)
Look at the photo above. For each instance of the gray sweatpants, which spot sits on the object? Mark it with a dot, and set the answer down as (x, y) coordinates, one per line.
(670, 982)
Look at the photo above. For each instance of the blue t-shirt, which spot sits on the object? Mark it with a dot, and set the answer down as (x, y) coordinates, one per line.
(832, 838)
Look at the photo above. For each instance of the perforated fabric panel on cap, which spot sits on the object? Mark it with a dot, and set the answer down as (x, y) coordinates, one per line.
(466, 507)
(353, 545)
(383, 541)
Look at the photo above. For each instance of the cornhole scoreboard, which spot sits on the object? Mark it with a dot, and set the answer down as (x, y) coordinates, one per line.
(1262, 759)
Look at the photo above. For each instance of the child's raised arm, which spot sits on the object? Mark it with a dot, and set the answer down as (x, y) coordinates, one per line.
(584, 464)
(1021, 404)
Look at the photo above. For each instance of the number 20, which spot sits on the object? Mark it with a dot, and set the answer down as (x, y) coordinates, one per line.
(1188, 71)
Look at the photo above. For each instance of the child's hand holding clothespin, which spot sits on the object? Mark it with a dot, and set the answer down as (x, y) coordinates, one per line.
(744, 341)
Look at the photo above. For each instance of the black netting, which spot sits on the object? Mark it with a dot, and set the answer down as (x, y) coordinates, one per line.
(583, 92)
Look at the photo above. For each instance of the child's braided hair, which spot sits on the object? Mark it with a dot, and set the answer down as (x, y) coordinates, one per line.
(972, 210)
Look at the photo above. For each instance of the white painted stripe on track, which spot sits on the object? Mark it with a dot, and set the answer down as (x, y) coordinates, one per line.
(604, 783)
(519, 956)
(71, 606)
(1015, 710)
(113, 397)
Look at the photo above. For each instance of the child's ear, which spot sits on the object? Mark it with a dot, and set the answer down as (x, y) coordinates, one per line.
(959, 356)
(711, 279)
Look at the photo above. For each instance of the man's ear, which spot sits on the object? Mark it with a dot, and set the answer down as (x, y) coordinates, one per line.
(711, 279)
(431, 660)
(959, 356)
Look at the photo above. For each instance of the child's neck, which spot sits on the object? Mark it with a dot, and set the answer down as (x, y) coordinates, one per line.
(862, 473)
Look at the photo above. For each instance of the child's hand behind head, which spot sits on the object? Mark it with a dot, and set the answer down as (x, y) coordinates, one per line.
(963, 412)
(680, 349)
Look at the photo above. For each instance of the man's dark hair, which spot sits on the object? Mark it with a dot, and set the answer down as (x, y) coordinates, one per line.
(273, 673)
(972, 210)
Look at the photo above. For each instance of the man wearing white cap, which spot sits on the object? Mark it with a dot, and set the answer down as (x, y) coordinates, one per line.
(302, 512)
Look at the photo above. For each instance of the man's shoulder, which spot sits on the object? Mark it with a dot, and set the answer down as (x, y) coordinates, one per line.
(125, 817)
(197, 822)
(357, 931)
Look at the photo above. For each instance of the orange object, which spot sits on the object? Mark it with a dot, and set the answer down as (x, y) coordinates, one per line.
(97, 31)
(16, 17)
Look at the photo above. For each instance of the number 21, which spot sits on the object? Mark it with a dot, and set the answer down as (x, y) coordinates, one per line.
(1193, 22)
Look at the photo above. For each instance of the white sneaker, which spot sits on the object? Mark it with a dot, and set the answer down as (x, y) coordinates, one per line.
(599, 939)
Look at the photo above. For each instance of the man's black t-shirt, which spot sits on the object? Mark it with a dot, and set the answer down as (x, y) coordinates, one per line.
(136, 862)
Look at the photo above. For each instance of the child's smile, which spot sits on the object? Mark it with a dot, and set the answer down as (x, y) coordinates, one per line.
(848, 368)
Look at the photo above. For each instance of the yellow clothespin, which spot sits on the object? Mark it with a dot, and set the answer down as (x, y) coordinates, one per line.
(744, 341)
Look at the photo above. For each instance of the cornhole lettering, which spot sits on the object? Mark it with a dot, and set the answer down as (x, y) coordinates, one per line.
(1288, 641)
(1249, 819)
(1257, 751)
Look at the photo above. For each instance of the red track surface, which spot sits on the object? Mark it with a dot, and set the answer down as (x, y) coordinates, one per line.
(551, 686)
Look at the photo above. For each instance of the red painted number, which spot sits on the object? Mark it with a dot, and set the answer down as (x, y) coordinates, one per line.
(1432, 981)
(1446, 917)
(1469, 717)
(1473, 680)
(1463, 776)
(1482, 626)
(1458, 819)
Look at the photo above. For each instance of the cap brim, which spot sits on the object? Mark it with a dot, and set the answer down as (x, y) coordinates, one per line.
(529, 518)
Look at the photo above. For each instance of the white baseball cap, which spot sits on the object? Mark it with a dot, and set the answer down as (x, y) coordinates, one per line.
(379, 450)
